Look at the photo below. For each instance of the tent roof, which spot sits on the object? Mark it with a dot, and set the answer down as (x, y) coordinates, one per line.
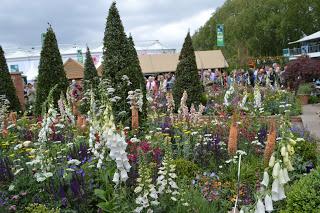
(158, 63)
(308, 38)
(168, 62)
(73, 69)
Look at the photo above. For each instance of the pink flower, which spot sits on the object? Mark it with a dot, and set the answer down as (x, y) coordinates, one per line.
(145, 146)
(23, 193)
(15, 197)
(13, 208)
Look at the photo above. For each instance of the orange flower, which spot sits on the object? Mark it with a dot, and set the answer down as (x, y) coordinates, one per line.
(5, 128)
(271, 141)
(233, 136)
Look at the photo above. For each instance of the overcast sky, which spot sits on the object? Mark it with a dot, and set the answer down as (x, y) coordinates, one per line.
(83, 21)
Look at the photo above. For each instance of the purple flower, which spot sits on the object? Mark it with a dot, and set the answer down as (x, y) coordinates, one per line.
(75, 187)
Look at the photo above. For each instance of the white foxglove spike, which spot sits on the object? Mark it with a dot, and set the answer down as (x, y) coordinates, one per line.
(275, 185)
(260, 207)
(283, 151)
(285, 175)
(272, 161)
(282, 179)
(265, 180)
(268, 203)
(116, 178)
(281, 193)
(276, 170)
(290, 167)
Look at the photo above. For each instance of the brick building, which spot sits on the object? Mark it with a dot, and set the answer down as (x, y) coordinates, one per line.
(19, 84)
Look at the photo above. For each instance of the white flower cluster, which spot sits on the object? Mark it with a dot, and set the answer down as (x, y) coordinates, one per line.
(4, 106)
(244, 101)
(66, 111)
(280, 169)
(228, 94)
(48, 120)
(166, 179)
(147, 194)
(41, 161)
(117, 145)
(135, 99)
(196, 115)
(257, 97)
(110, 140)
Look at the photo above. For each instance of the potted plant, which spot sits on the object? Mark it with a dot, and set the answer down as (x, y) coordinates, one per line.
(304, 92)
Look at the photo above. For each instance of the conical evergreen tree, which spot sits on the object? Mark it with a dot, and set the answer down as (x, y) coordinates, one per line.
(90, 81)
(186, 76)
(136, 76)
(6, 85)
(51, 71)
(91, 78)
(120, 60)
(115, 45)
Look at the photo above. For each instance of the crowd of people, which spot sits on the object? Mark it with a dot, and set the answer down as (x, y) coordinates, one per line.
(264, 76)
(29, 94)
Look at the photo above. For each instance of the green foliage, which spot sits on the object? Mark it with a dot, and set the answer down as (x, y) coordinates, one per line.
(136, 77)
(314, 99)
(90, 81)
(258, 27)
(51, 71)
(186, 76)
(90, 78)
(186, 169)
(307, 152)
(192, 201)
(120, 59)
(6, 85)
(276, 102)
(304, 195)
(40, 208)
(304, 89)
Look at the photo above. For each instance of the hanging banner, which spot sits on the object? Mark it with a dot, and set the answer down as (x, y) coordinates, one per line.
(220, 35)
(79, 56)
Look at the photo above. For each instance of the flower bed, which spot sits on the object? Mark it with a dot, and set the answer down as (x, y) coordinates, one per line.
(185, 163)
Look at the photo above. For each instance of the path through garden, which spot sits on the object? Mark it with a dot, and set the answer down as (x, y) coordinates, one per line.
(310, 118)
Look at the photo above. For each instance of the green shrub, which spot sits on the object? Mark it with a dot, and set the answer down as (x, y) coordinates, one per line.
(314, 99)
(40, 208)
(307, 150)
(304, 89)
(185, 168)
(304, 195)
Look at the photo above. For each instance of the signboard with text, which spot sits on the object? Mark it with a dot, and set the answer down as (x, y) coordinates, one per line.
(220, 35)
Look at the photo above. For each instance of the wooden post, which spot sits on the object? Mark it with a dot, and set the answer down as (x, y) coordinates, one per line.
(134, 118)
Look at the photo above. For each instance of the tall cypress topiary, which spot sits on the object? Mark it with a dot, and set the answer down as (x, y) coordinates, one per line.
(186, 76)
(51, 71)
(90, 81)
(91, 78)
(119, 60)
(6, 85)
(136, 77)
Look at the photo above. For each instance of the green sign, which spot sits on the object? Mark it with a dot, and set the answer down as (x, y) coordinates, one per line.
(80, 56)
(220, 35)
(286, 52)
